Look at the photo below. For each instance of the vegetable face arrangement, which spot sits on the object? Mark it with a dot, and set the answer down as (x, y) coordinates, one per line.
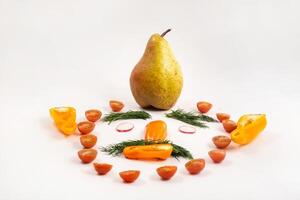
(155, 145)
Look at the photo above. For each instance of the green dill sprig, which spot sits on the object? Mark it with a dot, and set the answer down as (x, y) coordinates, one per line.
(179, 151)
(126, 115)
(206, 118)
(117, 149)
(191, 118)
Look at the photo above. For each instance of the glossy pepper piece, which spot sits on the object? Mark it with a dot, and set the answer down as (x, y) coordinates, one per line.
(248, 127)
(149, 152)
(64, 119)
(156, 130)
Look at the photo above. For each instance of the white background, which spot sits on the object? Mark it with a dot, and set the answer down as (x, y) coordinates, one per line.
(243, 56)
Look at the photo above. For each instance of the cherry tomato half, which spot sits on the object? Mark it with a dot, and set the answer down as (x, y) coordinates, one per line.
(85, 127)
(93, 115)
(116, 106)
(166, 172)
(204, 106)
(129, 176)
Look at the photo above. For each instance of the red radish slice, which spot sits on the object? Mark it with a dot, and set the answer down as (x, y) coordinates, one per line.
(125, 127)
(187, 129)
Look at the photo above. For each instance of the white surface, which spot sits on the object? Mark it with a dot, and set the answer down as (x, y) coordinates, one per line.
(243, 56)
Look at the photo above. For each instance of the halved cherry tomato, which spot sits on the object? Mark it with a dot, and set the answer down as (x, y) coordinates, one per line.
(222, 116)
(87, 155)
(88, 141)
(116, 106)
(85, 127)
(93, 115)
(166, 172)
(102, 168)
(217, 155)
(229, 125)
(129, 176)
(221, 141)
(195, 166)
(204, 106)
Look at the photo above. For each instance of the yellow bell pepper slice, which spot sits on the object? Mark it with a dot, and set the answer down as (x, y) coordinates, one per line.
(248, 127)
(149, 152)
(156, 130)
(64, 118)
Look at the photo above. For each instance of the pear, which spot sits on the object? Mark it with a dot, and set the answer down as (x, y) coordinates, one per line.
(156, 80)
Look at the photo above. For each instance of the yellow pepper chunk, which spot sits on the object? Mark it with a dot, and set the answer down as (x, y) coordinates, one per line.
(64, 118)
(248, 127)
(156, 130)
(148, 152)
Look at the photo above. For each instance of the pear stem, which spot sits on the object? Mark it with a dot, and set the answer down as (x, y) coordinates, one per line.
(164, 33)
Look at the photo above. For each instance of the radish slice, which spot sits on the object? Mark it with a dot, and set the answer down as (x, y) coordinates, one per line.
(187, 129)
(125, 127)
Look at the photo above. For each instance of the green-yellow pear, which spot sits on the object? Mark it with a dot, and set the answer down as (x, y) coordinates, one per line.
(156, 80)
